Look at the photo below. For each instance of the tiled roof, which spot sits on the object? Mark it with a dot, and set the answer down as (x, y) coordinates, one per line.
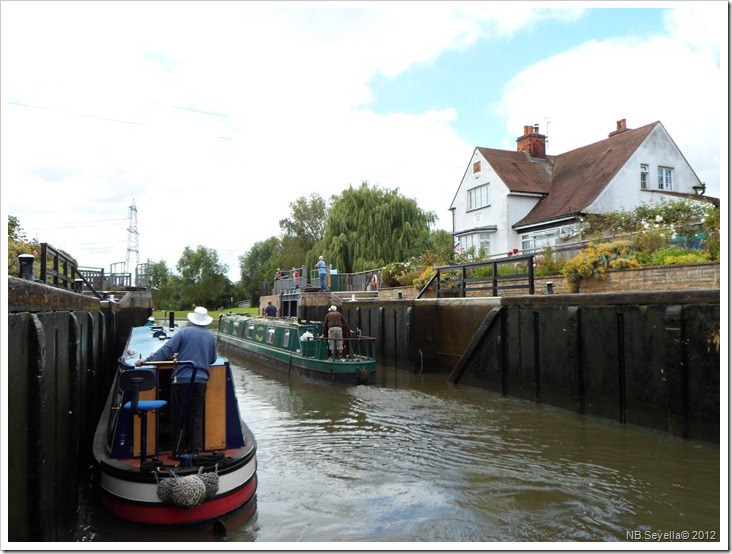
(571, 181)
(520, 172)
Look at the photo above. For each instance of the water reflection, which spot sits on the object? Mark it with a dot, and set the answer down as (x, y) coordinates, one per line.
(417, 459)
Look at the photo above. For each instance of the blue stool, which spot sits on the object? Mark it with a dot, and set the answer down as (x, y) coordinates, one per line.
(134, 381)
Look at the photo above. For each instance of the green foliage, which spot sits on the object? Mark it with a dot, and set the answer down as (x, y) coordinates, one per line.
(675, 255)
(18, 244)
(368, 225)
(547, 264)
(306, 223)
(594, 261)
(676, 216)
(203, 277)
(258, 265)
(163, 286)
(424, 277)
(711, 228)
(398, 273)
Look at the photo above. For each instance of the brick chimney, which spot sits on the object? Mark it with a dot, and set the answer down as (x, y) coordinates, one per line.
(532, 142)
(621, 128)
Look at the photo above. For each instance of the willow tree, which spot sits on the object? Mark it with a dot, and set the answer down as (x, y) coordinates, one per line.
(369, 227)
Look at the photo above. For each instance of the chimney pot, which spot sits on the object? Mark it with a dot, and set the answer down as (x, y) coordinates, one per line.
(532, 142)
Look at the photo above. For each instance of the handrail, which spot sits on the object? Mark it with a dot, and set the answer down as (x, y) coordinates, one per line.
(462, 281)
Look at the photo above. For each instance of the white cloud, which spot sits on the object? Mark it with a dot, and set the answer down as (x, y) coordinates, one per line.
(214, 116)
(584, 91)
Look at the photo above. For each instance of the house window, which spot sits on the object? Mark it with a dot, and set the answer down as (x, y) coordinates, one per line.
(535, 242)
(478, 197)
(480, 243)
(664, 178)
(644, 177)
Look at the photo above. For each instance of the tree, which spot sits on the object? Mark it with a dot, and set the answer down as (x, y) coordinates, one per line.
(258, 265)
(164, 287)
(18, 244)
(203, 277)
(306, 222)
(369, 227)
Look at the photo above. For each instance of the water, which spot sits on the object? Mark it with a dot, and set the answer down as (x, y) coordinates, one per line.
(415, 459)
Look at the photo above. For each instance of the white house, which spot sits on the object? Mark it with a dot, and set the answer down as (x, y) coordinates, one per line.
(526, 200)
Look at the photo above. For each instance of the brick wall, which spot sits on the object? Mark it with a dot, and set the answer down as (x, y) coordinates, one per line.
(668, 277)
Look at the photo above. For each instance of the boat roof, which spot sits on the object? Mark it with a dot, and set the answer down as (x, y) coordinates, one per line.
(143, 342)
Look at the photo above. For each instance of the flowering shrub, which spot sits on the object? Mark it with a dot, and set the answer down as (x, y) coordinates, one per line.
(547, 264)
(424, 277)
(594, 261)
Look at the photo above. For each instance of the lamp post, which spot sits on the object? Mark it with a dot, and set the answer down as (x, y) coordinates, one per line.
(700, 189)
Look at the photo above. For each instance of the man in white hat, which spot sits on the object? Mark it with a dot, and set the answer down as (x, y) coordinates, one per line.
(197, 345)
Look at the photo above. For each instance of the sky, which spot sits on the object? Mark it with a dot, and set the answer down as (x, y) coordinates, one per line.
(211, 117)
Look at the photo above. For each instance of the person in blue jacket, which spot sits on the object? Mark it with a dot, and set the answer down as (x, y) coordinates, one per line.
(195, 344)
(321, 273)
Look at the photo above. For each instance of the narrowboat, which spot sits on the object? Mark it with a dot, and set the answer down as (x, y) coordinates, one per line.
(296, 346)
(142, 477)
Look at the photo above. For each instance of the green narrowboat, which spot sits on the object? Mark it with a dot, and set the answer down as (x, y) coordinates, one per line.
(298, 347)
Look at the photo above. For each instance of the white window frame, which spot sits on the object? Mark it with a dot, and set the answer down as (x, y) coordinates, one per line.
(476, 241)
(644, 176)
(478, 197)
(665, 178)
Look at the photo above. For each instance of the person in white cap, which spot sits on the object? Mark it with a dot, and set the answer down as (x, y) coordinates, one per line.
(334, 327)
(195, 344)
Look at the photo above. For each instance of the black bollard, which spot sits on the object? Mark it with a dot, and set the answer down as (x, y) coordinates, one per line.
(78, 286)
(26, 266)
(550, 288)
(171, 320)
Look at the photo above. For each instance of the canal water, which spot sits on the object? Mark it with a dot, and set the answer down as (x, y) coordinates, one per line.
(415, 459)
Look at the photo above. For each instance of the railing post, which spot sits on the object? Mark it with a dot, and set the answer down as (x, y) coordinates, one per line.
(494, 265)
(25, 261)
(531, 274)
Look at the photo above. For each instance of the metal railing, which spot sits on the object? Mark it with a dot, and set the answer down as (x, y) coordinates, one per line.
(462, 280)
(60, 271)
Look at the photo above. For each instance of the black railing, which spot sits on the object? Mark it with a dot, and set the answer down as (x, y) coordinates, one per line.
(475, 279)
(60, 271)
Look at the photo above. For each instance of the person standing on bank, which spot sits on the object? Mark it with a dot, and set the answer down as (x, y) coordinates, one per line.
(321, 273)
(195, 344)
(270, 310)
(335, 327)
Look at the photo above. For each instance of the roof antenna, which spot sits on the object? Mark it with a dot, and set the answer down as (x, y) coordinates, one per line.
(547, 129)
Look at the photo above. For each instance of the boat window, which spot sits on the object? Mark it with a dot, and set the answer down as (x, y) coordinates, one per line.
(286, 338)
(270, 335)
(250, 331)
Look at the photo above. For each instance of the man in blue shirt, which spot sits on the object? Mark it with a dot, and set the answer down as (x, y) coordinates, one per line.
(321, 273)
(270, 310)
(197, 345)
